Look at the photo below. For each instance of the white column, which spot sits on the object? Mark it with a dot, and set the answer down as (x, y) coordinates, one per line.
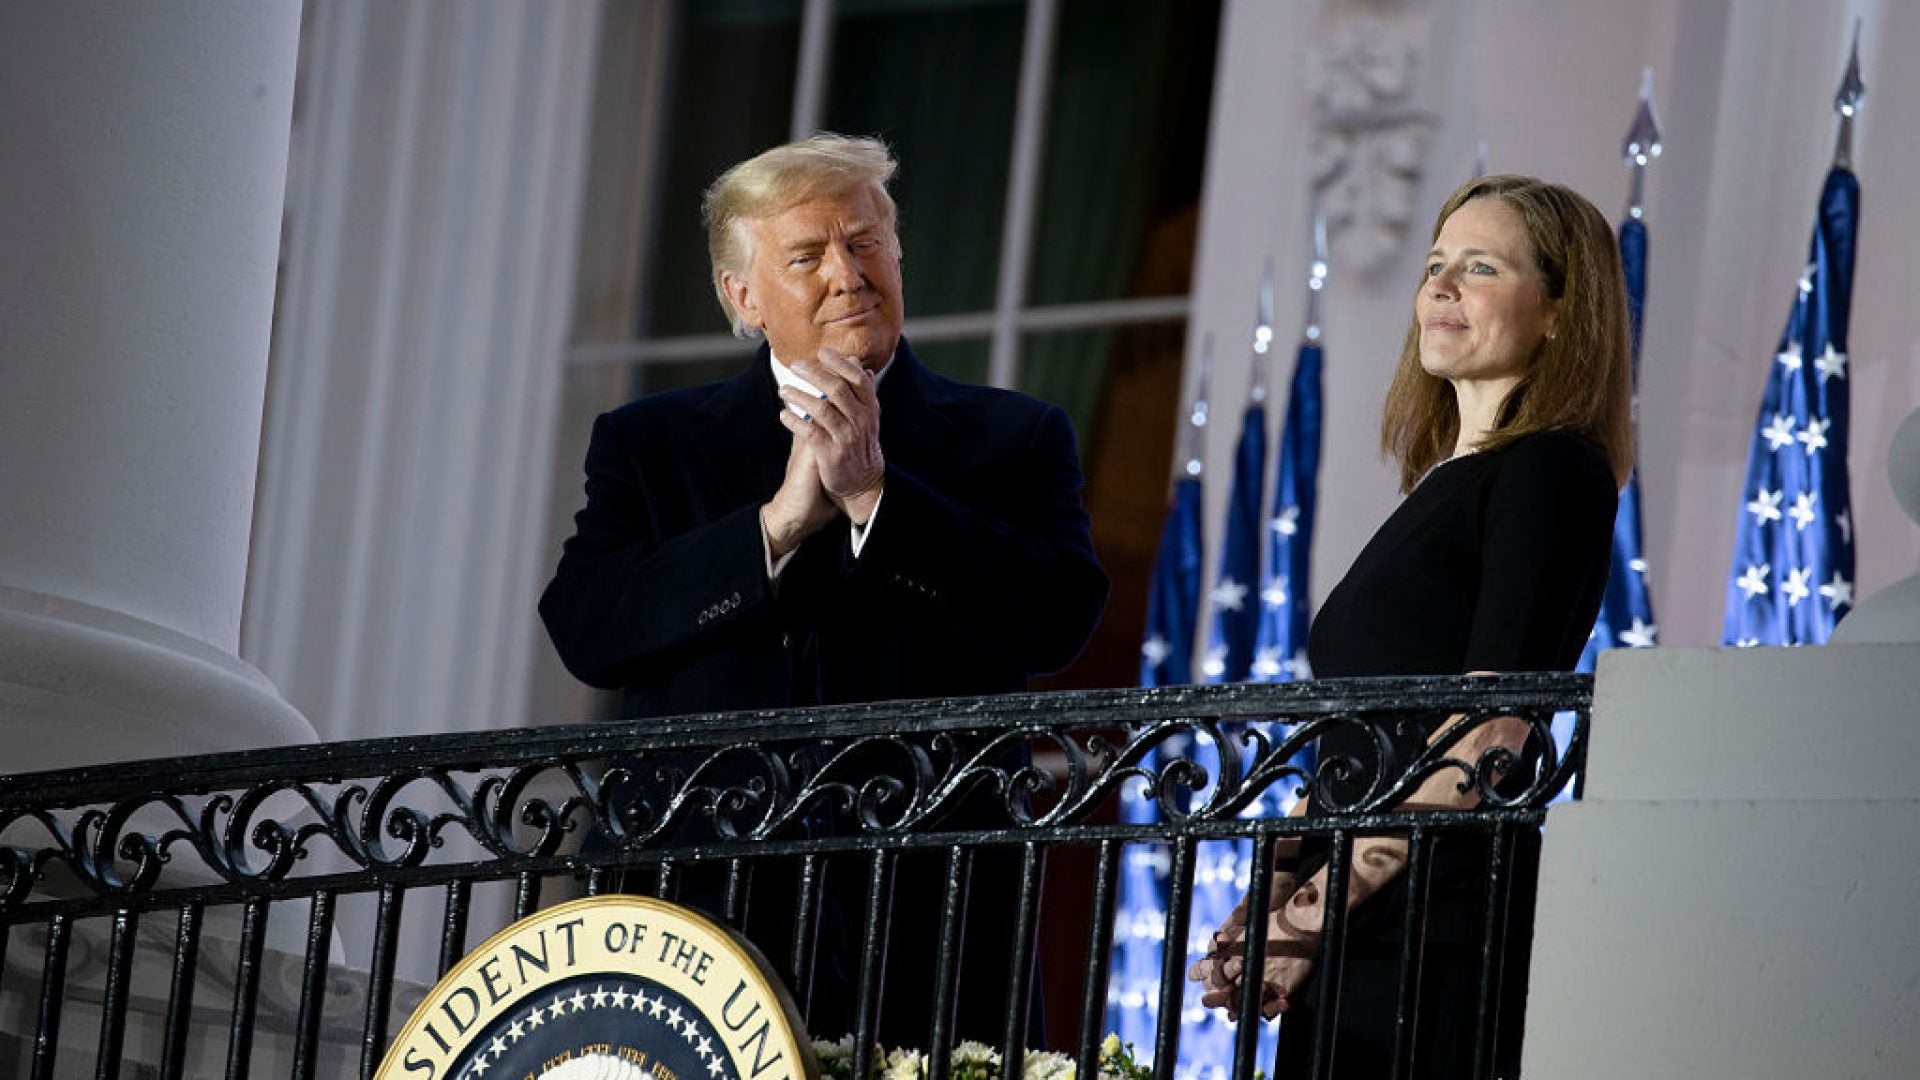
(141, 191)
(433, 206)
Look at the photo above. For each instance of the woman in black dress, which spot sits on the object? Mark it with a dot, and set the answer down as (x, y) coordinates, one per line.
(1509, 418)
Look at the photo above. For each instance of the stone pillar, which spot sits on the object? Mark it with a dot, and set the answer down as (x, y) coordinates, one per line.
(141, 188)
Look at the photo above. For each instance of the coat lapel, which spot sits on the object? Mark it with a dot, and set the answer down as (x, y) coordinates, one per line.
(739, 438)
(914, 425)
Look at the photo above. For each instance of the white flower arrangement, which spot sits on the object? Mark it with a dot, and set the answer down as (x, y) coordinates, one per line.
(976, 1061)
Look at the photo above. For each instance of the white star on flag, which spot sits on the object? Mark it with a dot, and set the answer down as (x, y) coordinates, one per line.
(1640, 635)
(1796, 587)
(620, 997)
(1266, 662)
(558, 1009)
(499, 1048)
(1288, 521)
(534, 1020)
(640, 1000)
(517, 1032)
(1765, 506)
(1754, 581)
(655, 1005)
(1229, 594)
(1790, 357)
(1275, 595)
(1802, 512)
(1839, 592)
(599, 996)
(1297, 665)
(579, 1001)
(1215, 664)
(673, 1018)
(1156, 650)
(1844, 519)
(480, 1065)
(706, 1047)
(1815, 435)
(1779, 433)
(714, 1066)
(692, 1032)
(1830, 364)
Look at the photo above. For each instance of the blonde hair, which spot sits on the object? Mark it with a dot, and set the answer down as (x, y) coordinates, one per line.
(778, 180)
(1580, 380)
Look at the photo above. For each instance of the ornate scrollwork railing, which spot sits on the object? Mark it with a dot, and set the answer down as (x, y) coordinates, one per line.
(1050, 766)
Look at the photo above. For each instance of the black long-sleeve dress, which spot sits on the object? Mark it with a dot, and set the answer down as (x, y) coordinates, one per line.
(1495, 562)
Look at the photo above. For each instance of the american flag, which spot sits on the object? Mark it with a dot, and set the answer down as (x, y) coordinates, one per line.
(1791, 577)
(1626, 611)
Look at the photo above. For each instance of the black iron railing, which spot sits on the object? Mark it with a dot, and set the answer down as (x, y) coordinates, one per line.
(133, 864)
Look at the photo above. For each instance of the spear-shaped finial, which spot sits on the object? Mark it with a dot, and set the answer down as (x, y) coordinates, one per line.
(1642, 145)
(1316, 274)
(1262, 338)
(1193, 440)
(1847, 101)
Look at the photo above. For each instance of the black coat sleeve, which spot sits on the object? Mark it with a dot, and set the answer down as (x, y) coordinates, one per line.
(1545, 546)
(1018, 580)
(626, 599)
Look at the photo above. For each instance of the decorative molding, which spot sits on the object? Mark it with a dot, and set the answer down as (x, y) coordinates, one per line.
(1370, 140)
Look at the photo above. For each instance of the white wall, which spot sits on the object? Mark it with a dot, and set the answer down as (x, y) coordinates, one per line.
(1744, 93)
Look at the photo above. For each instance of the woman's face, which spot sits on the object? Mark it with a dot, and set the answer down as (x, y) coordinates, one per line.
(1483, 308)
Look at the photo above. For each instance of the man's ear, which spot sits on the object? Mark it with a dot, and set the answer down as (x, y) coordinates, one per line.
(745, 304)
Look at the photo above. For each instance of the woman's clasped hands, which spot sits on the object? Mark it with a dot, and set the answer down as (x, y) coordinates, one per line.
(1293, 942)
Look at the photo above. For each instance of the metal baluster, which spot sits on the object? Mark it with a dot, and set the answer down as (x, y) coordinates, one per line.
(386, 934)
(806, 917)
(1333, 943)
(113, 1005)
(873, 960)
(53, 993)
(527, 896)
(1093, 997)
(596, 880)
(666, 882)
(946, 964)
(1492, 949)
(246, 986)
(1166, 1025)
(313, 986)
(1020, 974)
(1413, 948)
(739, 881)
(186, 957)
(453, 924)
(1246, 1035)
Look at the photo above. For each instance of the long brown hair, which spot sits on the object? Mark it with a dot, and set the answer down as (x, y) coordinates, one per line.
(1581, 378)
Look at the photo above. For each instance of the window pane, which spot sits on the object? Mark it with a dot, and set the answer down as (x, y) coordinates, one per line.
(1126, 143)
(965, 360)
(657, 376)
(937, 81)
(731, 97)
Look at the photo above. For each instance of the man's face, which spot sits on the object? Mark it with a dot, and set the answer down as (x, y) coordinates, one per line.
(824, 273)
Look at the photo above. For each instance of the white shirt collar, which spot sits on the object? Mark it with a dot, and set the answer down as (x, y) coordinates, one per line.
(784, 375)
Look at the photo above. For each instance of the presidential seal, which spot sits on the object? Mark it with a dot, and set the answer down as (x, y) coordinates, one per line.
(607, 988)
